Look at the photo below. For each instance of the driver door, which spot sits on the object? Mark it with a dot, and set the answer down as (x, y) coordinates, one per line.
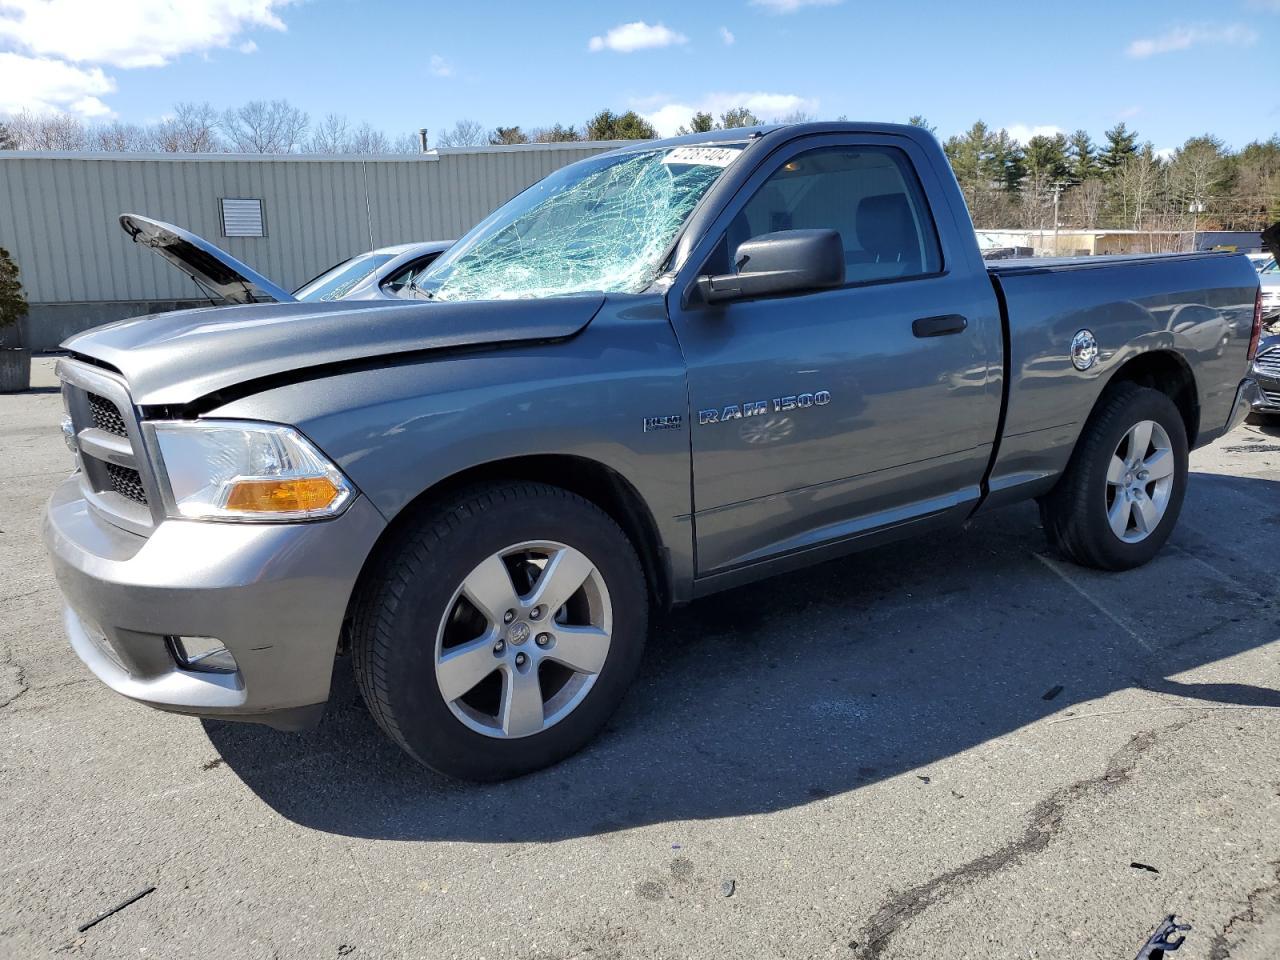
(821, 416)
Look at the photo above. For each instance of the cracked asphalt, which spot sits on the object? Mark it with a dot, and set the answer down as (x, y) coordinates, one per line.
(959, 747)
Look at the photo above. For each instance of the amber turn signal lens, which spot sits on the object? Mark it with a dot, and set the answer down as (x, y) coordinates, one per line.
(281, 496)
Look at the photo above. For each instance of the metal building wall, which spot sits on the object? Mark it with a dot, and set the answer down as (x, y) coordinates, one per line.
(58, 217)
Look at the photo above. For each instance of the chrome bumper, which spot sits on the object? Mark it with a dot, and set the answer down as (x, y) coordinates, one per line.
(274, 594)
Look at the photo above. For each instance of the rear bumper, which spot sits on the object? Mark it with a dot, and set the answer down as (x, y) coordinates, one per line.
(274, 594)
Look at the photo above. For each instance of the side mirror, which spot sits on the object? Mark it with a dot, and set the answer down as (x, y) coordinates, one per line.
(789, 261)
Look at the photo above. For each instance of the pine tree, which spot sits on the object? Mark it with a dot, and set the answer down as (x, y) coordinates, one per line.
(1082, 157)
(13, 304)
(607, 125)
(1122, 146)
(738, 117)
(701, 122)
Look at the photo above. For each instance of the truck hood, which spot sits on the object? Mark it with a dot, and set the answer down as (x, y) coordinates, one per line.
(212, 268)
(180, 357)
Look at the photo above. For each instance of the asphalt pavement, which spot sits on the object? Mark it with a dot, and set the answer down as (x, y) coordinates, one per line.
(954, 747)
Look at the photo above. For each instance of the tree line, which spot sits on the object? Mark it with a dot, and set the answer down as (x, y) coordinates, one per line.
(1120, 182)
(276, 126)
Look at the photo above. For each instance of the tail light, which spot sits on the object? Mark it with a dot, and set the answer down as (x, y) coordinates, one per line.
(1257, 325)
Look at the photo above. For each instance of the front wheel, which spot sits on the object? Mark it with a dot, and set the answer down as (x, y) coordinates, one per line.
(1119, 498)
(500, 630)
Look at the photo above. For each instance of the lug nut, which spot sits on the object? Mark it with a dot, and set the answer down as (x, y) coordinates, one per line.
(499, 647)
(535, 613)
(508, 616)
(543, 639)
(521, 659)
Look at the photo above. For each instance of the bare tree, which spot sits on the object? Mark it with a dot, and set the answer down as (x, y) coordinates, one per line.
(193, 128)
(262, 126)
(119, 137)
(54, 131)
(1084, 203)
(1136, 181)
(795, 116)
(331, 135)
(366, 140)
(464, 133)
(404, 143)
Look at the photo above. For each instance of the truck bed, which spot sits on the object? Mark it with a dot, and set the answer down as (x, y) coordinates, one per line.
(1025, 265)
(1198, 306)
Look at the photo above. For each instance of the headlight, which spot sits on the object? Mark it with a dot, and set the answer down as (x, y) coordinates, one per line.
(239, 470)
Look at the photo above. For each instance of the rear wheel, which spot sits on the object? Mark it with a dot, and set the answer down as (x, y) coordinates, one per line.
(1119, 498)
(500, 630)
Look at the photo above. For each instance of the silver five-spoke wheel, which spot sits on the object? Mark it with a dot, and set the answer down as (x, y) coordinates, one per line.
(523, 639)
(1139, 481)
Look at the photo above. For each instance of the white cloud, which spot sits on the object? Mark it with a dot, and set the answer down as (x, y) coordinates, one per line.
(1186, 37)
(791, 6)
(140, 33)
(248, 47)
(727, 36)
(668, 116)
(1166, 153)
(440, 67)
(629, 37)
(42, 85)
(1022, 132)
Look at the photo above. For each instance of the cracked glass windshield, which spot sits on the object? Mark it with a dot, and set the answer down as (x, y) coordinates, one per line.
(604, 224)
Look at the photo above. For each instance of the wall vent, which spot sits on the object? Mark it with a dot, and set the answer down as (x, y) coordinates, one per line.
(242, 218)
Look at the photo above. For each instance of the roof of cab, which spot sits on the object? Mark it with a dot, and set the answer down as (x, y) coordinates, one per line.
(789, 130)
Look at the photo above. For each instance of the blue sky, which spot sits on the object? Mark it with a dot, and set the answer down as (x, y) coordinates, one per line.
(1170, 69)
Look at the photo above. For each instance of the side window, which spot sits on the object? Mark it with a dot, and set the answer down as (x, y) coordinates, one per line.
(870, 195)
(402, 277)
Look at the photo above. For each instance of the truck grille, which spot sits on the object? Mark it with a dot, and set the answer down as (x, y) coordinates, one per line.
(1268, 362)
(1272, 397)
(106, 416)
(127, 483)
(115, 476)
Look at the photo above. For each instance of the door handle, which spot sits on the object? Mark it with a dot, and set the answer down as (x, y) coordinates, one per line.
(939, 326)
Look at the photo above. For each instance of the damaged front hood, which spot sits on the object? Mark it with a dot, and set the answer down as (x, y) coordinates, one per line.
(177, 358)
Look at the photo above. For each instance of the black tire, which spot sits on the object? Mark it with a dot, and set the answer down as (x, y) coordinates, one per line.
(1074, 513)
(402, 602)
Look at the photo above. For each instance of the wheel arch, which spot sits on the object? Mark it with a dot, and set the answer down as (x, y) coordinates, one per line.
(590, 479)
(1168, 372)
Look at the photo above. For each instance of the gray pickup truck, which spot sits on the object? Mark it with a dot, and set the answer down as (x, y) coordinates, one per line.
(662, 371)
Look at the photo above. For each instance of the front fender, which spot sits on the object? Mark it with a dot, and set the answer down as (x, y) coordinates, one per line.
(398, 429)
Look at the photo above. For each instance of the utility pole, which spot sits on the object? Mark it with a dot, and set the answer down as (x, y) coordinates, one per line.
(1197, 208)
(1057, 195)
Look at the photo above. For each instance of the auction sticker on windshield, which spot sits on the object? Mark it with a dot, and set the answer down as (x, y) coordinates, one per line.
(703, 156)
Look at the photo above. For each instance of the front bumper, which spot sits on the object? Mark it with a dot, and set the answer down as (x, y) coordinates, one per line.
(275, 594)
(1267, 398)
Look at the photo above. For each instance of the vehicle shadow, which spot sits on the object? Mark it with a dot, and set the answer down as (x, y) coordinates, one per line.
(819, 682)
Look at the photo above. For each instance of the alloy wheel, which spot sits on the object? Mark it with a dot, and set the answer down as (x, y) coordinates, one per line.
(523, 639)
(1139, 481)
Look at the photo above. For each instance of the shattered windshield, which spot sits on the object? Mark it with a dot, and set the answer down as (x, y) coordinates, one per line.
(604, 224)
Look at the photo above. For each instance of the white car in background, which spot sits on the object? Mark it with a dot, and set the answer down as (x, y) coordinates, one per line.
(1269, 278)
(376, 275)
